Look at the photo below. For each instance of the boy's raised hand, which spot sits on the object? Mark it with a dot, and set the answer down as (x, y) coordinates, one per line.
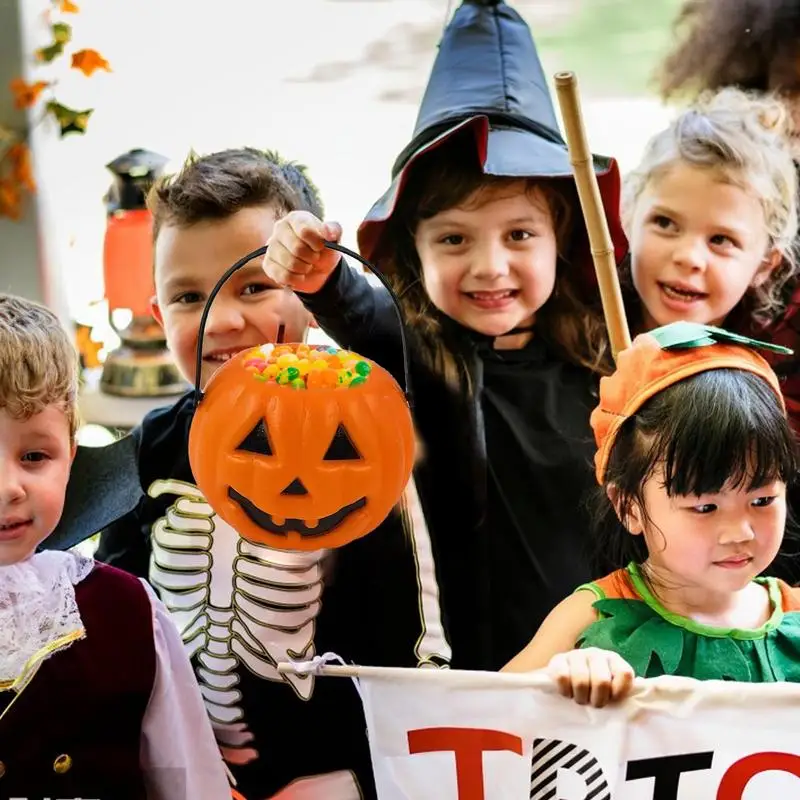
(591, 676)
(297, 257)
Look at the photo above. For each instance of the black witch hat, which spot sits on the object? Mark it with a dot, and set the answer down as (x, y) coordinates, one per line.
(488, 78)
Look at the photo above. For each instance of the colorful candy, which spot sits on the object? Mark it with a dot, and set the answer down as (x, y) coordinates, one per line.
(305, 367)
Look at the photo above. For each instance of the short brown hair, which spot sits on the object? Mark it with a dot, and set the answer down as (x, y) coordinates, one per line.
(39, 363)
(216, 186)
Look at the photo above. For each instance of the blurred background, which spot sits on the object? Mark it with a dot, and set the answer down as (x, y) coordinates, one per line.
(333, 84)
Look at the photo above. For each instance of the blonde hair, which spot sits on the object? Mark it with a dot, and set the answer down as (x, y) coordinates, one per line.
(38, 361)
(745, 139)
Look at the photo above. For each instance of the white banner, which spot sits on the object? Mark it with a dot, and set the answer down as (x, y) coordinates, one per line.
(447, 735)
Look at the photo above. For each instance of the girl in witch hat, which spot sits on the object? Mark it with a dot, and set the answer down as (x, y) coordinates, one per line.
(481, 234)
(694, 454)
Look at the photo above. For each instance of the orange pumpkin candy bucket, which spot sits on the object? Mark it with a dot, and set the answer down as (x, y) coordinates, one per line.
(301, 447)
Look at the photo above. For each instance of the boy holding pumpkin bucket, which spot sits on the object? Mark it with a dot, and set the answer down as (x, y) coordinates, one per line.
(243, 607)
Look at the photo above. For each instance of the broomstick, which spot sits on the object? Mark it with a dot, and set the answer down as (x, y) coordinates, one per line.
(592, 206)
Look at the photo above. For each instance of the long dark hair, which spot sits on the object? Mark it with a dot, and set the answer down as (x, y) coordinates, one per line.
(445, 178)
(721, 428)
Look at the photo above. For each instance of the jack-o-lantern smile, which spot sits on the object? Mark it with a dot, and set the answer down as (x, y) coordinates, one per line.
(315, 528)
(302, 448)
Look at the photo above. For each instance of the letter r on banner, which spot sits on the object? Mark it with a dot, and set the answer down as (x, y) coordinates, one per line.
(468, 745)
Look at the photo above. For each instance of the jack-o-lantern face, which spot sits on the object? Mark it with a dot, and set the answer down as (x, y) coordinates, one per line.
(301, 448)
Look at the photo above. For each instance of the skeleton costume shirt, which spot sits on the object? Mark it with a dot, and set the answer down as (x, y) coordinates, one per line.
(242, 608)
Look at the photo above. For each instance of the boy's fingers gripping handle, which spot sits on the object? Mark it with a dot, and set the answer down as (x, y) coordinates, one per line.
(592, 206)
(198, 392)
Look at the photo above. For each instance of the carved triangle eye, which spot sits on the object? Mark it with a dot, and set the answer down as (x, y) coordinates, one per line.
(342, 447)
(257, 441)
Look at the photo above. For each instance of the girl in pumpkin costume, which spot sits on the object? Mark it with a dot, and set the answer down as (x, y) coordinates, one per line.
(711, 214)
(480, 233)
(694, 455)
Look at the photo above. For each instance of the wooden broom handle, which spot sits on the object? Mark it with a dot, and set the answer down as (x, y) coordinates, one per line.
(592, 206)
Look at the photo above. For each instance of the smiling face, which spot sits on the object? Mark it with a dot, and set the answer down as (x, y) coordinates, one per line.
(302, 448)
(697, 245)
(490, 263)
(35, 459)
(249, 308)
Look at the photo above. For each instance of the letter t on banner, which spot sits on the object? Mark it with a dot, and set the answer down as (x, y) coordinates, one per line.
(468, 745)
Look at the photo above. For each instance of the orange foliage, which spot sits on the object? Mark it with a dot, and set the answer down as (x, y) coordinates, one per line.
(10, 199)
(16, 171)
(19, 157)
(88, 61)
(26, 94)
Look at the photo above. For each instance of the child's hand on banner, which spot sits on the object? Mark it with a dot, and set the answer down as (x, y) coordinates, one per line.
(591, 676)
(297, 257)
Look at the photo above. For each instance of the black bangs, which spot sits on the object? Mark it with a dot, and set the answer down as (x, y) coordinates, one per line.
(721, 428)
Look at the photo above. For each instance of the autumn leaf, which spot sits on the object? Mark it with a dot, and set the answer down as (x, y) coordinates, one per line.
(62, 32)
(69, 119)
(62, 35)
(26, 94)
(50, 53)
(19, 156)
(68, 7)
(88, 61)
(10, 200)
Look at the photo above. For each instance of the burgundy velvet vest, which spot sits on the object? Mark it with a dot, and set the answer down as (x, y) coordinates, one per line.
(75, 730)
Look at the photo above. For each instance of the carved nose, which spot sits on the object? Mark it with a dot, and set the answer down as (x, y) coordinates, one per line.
(295, 487)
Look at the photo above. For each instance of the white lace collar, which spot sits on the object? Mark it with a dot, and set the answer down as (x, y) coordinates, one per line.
(38, 612)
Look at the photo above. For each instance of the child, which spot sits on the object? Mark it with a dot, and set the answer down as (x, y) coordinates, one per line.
(481, 235)
(711, 215)
(753, 46)
(694, 457)
(243, 608)
(98, 698)
(201, 222)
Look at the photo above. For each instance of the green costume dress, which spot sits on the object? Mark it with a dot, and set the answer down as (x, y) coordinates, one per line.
(654, 641)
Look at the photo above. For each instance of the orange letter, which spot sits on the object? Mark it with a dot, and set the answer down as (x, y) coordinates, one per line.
(468, 745)
(735, 780)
